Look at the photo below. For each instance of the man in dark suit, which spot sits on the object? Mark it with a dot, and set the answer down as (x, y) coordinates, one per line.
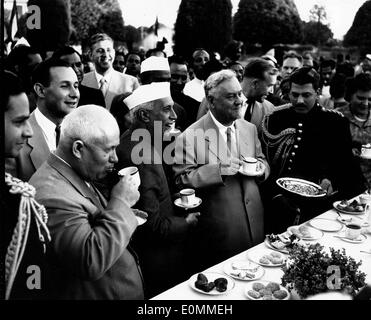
(87, 95)
(56, 86)
(104, 77)
(90, 256)
(159, 242)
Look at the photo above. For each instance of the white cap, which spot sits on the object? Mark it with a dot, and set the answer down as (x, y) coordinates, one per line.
(368, 56)
(148, 92)
(154, 63)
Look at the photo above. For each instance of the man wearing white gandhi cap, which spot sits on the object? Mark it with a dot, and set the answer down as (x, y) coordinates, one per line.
(160, 242)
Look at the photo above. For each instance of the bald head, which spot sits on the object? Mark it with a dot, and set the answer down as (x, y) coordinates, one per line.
(88, 123)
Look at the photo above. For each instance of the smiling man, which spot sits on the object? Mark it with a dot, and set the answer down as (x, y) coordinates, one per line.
(104, 77)
(309, 142)
(160, 242)
(56, 86)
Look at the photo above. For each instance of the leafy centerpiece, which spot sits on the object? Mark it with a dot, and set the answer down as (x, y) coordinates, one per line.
(310, 270)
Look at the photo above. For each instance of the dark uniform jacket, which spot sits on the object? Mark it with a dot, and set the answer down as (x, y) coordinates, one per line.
(311, 146)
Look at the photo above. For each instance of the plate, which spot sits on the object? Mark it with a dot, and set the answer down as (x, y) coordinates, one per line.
(364, 224)
(299, 186)
(360, 239)
(251, 285)
(326, 224)
(270, 246)
(315, 234)
(336, 207)
(238, 270)
(178, 202)
(251, 173)
(256, 255)
(141, 220)
(211, 276)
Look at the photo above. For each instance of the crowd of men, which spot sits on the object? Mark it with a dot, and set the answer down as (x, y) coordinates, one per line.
(69, 131)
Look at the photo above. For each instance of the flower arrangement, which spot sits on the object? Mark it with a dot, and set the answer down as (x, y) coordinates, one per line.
(307, 271)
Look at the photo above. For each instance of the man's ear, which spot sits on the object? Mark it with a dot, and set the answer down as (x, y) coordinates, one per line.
(210, 99)
(144, 115)
(39, 89)
(255, 83)
(77, 148)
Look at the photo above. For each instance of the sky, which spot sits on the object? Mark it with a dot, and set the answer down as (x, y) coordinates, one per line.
(340, 13)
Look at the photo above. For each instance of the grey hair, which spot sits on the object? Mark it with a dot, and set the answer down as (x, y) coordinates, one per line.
(144, 106)
(87, 123)
(217, 78)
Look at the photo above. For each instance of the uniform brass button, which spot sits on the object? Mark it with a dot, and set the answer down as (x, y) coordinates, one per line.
(300, 124)
(295, 146)
(298, 138)
(290, 160)
(293, 154)
(289, 168)
(300, 131)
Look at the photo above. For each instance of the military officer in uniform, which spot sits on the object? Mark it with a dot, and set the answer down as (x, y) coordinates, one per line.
(306, 141)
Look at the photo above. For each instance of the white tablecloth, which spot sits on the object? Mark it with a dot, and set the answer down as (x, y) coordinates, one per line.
(183, 291)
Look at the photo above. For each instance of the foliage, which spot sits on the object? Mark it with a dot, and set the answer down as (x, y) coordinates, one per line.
(267, 22)
(132, 35)
(55, 25)
(316, 33)
(201, 23)
(307, 270)
(91, 16)
(318, 14)
(359, 33)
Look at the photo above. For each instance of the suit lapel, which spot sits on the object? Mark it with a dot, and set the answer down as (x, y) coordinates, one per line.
(67, 172)
(39, 148)
(242, 138)
(214, 141)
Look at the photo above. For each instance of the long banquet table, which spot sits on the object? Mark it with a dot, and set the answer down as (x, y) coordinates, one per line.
(183, 291)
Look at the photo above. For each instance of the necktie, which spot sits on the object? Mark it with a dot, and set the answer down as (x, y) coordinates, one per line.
(103, 86)
(249, 110)
(57, 134)
(231, 143)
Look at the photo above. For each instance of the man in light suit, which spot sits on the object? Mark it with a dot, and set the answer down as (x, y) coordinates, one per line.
(104, 77)
(89, 256)
(56, 87)
(232, 211)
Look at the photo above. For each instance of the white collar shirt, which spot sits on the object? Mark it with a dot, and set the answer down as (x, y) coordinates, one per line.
(47, 128)
(223, 129)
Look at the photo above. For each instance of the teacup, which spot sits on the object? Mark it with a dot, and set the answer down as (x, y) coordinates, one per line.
(249, 164)
(366, 150)
(133, 171)
(353, 230)
(188, 196)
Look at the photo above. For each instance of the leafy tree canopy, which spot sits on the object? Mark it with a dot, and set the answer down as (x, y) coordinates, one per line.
(201, 23)
(359, 33)
(267, 22)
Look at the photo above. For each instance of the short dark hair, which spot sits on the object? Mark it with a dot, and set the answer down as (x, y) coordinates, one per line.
(64, 51)
(137, 53)
(256, 68)
(361, 82)
(18, 56)
(305, 75)
(337, 85)
(326, 63)
(292, 54)
(13, 87)
(41, 74)
(177, 59)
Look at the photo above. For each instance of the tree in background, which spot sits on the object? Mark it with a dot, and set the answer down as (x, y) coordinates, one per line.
(132, 35)
(55, 25)
(359, 33)
(267, 22)
(317, 31)
(200, 23)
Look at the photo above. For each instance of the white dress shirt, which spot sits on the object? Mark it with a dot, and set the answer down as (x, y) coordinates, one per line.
(48, 129)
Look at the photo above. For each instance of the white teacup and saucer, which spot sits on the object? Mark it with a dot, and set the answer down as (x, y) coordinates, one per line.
(187, 199)
(366, 151)
(251, 167)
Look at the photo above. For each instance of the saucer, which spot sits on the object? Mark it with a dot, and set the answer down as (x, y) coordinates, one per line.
(254, 173)
(360, 239)
(364, 224)
(178, 202)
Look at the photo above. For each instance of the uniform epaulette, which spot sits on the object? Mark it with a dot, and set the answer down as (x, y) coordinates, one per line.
(333, 111)
(282, 107)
